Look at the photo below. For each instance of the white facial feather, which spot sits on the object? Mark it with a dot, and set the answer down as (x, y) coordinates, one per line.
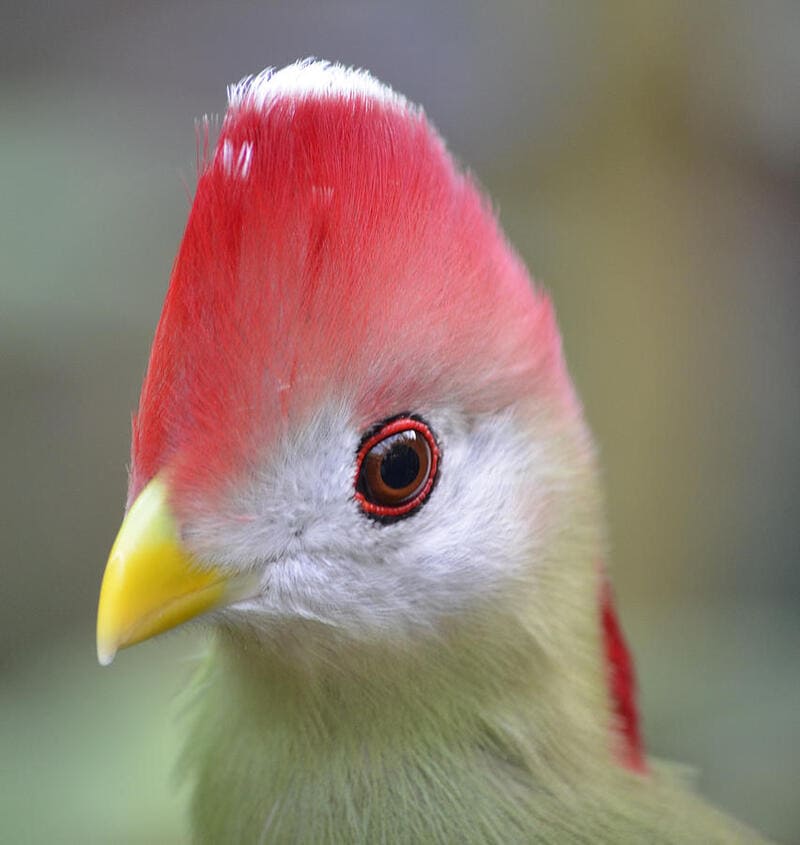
(320, 558)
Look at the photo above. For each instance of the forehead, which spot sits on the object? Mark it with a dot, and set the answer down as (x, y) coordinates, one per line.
(333, 251)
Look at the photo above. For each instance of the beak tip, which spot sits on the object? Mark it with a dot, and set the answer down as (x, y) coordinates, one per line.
(106, 652)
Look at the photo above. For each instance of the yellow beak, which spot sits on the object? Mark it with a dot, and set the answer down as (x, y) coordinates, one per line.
(151, 582)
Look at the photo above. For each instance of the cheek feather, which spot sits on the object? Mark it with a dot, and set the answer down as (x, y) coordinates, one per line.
(297, 519)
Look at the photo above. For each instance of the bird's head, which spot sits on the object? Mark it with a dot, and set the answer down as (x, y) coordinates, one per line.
(356, 424)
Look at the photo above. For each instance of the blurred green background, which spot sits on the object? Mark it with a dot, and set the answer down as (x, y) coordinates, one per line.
(645, 160)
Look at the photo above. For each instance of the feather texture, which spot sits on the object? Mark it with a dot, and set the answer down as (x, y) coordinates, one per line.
(298, 238)
(459, 676)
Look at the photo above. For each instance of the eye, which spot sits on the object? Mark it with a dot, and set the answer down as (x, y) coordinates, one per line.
(396, 468)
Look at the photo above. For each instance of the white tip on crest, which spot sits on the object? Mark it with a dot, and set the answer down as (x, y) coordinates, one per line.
(310, 78)
(234, 161)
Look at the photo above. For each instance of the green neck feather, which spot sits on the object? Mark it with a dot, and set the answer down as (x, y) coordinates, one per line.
(462, 750)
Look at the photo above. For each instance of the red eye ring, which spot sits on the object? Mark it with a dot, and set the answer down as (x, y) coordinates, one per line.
(376, 499)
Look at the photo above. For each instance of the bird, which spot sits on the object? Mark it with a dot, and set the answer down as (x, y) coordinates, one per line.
(359, 460)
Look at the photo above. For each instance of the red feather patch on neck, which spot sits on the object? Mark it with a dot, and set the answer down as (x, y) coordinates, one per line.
(621, 683)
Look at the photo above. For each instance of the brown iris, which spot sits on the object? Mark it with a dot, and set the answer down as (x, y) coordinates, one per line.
(396, 468)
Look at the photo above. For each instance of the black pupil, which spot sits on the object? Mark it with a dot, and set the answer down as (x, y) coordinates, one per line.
(400, 466)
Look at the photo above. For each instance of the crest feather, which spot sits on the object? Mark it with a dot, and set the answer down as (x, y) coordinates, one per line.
(333, 251)
(311, 78)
